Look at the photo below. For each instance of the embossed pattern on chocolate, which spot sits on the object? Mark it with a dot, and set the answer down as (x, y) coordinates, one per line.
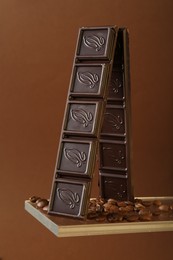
(69, 197)
(88, 79)
(116, 91)
(113, 155)
(82, 118)
(93, 41)
(114, 121)
(74, 157)
(114, 186)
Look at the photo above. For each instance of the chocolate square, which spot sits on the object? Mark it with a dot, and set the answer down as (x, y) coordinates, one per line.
(76, 157)
(88, 80)
(70, 197)
(114, 187)
(82, 117)
(113, 155)
(94, 43)
(114, 121)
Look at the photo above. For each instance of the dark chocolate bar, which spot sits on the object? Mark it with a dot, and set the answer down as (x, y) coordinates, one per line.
(115, 142)
(96, 111)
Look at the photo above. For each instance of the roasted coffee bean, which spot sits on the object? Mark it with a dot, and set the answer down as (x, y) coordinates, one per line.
(121, 204)
(130, 203)
(157, 202)
(92, 209)
(132, 218)
(122, 209)
(171, 207)
(92, 215)
(42, 203)
(113, 217)
(137, 200)
(145, 217)
(138, 206)
(164, 207)
(33, 199)
(112, 201)
(156, 212)
(99, 208)
(144, 211)
(147, 203)
(39, 199)
(45, 208)
(110, 208)
(129, 208)
(101, 219)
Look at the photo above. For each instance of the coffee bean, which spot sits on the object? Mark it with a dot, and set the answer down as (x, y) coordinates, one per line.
(42, 203)
(157, 202)
(112, 201)
(45, 208)
(171, 207)
(146, 217)
(33, 199)
(92, 215)
(113, 217)
(164, 207)
(147, 203)
(110, 208)
(101, 219)
(129, 203)
(121, 204)
(138, 206)
(132, 218)
(144, 211)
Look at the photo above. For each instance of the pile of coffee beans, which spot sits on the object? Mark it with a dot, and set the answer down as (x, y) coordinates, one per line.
(113, 211)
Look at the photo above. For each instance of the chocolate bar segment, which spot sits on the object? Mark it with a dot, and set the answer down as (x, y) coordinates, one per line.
(69, 197)
(76, 157)
(89, 80)
(113, 155)
(115, 186)
(82, 117)
(114, 121)
(115, 143)
(95, 43)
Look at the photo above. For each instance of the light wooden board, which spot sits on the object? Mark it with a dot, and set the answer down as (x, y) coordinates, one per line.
(69, 227)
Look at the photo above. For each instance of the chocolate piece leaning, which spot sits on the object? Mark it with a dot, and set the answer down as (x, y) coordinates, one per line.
(89, 80)
(115, 143)
(82, 121)
(83, 118)
(96, 43)
(76, 158)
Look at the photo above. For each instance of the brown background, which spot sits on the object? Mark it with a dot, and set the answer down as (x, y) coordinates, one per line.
(37, 44)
